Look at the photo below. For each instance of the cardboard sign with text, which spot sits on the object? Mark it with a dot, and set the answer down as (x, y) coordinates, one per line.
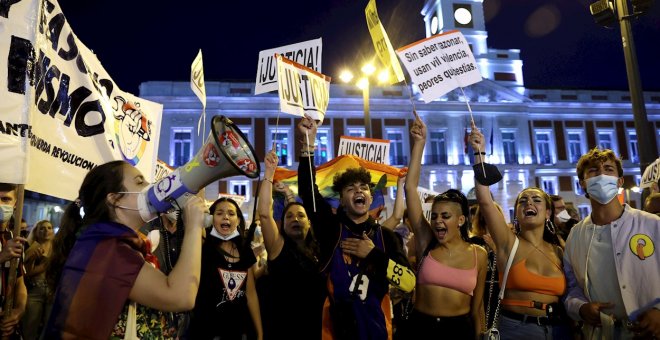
(439, 64)
(373, 150)
(302, 91)
(382, 43)
(306, 53)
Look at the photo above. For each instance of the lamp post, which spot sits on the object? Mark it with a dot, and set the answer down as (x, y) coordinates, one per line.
(606, 13)
(363, 83)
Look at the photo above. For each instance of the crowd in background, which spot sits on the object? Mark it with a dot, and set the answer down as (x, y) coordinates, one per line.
(312, 271)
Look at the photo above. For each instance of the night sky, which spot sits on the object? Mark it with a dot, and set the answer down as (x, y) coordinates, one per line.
(142, 40)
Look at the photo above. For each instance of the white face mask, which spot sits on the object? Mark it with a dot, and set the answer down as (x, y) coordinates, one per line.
(172, 216)
(603, 188)
(6, 212)
(563, 216)
(222, 237)
(146, 214)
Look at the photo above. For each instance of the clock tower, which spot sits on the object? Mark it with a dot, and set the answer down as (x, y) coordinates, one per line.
(467, 16)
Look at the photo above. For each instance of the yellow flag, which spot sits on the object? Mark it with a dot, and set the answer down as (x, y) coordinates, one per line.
(382, 43)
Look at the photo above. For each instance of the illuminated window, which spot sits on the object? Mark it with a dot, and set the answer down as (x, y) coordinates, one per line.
(397, 157)
(181, 146)
(241, 188)
(323, 144)
(577, 187)
(283, 144)
(509, 147)
(437, 154)
(549, 185)
(632, 145)
(355, 132)
(544, 141)
(575, 142)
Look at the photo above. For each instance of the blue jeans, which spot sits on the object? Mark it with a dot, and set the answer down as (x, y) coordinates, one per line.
(516, 329)
(36, 309)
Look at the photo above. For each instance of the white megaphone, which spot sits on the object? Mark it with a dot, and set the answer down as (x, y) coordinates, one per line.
(226, 153)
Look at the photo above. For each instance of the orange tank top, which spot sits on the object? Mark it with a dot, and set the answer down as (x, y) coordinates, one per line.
(522, 279)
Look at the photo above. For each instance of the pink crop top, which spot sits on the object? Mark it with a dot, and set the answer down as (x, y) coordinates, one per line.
(434, 273)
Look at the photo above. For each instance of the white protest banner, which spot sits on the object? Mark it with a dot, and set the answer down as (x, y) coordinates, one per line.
(439, 64)
(17, 34)
(373, 150)
(427, 210)
(382, 43)
(651, 174)
(302, 90)
(198, 87)
(306, 53)
(79, 118)
(424, 194)
(161, 170)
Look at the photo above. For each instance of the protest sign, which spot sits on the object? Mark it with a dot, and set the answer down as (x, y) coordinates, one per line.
(302, 91)
(382, 43)
(306, 53)
(373, 150)
(162, 169)
(199, 88)
(439, 64)
(78, 117)
(17, 34)
(239, 199)
(651, 175)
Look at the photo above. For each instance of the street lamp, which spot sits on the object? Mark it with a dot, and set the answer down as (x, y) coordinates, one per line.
(368, 70)
(606, 13)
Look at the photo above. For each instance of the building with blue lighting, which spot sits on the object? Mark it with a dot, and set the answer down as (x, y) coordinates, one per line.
(535, 136)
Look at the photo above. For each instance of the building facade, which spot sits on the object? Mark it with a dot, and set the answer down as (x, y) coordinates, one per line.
(534, 136)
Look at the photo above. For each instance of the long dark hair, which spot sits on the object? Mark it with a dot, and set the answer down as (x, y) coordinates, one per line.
(244, 238)
(549, 230)
(98, 183)
(311, 249)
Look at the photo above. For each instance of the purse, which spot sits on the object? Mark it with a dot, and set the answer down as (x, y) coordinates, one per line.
(493, 333)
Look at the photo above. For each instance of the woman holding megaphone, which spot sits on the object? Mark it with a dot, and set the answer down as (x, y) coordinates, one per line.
(101, 264)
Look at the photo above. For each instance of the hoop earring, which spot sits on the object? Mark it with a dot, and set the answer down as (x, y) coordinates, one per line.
(550, 226)
(516, 226)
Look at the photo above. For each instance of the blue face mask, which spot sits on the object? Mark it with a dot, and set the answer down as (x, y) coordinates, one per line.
(603, 188)
(6, 211)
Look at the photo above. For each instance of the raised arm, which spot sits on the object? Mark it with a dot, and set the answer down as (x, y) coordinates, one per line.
(416, 217)
(397, 211)
(495, 222)
(273, 240)
(318, 210)
(177, 291)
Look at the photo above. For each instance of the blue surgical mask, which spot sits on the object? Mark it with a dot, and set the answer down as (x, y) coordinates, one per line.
(603, 188)
(6, 211)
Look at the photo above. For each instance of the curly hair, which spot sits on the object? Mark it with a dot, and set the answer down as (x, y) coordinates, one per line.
(596, 157)
(351, 176)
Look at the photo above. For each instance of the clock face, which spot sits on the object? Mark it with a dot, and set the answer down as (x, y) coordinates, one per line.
(462, 16)
(434, 25)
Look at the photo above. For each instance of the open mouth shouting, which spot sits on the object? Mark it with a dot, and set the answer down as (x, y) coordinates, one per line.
(440, 232)
(359, 201)
(530, 212)
(225, 227)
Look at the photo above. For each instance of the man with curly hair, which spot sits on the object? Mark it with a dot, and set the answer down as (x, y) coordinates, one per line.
(611, 259)
(360, 258)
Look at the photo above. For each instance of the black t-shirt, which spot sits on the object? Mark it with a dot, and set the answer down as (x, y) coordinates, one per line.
(294, 285)
(221, 307)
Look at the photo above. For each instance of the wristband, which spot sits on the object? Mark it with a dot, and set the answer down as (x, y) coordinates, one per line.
(479, 153)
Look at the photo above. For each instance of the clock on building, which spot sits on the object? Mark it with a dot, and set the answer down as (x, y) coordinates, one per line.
(463, 16)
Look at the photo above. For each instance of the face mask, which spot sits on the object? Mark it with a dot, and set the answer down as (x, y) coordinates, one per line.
(6, 211)
(602, 188)
(563, 216)
(172, 216)
(222, 237)
(146, 214)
